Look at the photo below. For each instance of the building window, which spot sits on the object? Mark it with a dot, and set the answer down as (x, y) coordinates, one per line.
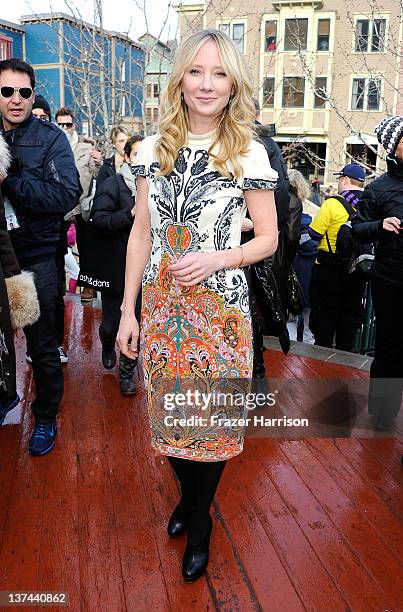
(366, 94)
(323, 34)
(378, 35)
(362, 154)
(296, 34)
(293, 92)
(320, 92)
(153, 90)
(357, 102)
(374, 94)
(362, 35)
(270, 36)
(6, 47)
(236, 31)
(152, 114)
(225, 27)
(370, 35)
(268, 92)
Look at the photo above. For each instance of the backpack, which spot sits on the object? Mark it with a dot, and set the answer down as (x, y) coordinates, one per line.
(358, 257)
(88, 200)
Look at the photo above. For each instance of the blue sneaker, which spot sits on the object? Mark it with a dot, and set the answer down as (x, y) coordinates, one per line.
(43, 438)
(5, 408)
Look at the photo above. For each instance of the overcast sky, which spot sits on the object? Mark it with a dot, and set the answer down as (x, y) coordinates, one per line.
(125, 16)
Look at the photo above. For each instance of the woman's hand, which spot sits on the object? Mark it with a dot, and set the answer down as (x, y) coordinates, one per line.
(391, 224)
(194, 268)
(128, 336)
(247, 225)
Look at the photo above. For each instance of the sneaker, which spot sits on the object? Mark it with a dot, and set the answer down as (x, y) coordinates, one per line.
(28, 357)
(63, 355)
(6, 407)
(43, 438)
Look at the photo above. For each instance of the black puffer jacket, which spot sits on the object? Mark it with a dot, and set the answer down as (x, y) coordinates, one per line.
(107, 170)
(381, 199)
(108, 233)
(42, 185)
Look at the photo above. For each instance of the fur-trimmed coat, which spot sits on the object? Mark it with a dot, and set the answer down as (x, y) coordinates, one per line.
(18, 300)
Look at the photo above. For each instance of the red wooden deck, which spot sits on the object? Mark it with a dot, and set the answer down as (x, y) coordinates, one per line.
(308, 525)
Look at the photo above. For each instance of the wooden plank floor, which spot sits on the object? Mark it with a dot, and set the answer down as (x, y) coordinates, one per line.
(299, 525)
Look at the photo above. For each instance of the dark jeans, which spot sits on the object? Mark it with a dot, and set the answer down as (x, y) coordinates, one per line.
(61, 290)
(108, 329)
(385, 395)
(42, 345)
(336, 299)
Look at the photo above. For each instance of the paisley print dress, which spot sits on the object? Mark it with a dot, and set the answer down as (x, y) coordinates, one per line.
(197, 338)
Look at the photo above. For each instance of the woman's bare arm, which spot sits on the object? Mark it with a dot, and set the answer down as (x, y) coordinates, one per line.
(138, 254)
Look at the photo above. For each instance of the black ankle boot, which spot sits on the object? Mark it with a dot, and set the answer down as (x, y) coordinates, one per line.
(126, 370)
(196, 556)
(108, 357)
(178, 523)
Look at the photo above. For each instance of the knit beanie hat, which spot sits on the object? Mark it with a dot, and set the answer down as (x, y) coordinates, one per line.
(40, 102)
(389, 131)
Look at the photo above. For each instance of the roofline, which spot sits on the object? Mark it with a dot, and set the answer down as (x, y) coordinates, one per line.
(12, 26)
(159, 41)
(59, 16)
(189, 8)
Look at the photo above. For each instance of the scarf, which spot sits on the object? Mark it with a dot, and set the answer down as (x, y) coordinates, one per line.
(129, 178)
(73, 139)
(352, 196)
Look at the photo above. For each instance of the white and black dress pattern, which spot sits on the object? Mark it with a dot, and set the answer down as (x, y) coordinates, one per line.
(202, 333)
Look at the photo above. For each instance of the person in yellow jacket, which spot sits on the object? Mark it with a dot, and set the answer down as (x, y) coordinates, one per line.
(336, 297)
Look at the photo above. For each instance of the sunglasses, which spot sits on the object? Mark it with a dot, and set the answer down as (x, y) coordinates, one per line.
(67, 125)
(24, 92)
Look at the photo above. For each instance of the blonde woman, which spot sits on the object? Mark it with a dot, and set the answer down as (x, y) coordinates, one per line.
(112, 165)
(196, 178)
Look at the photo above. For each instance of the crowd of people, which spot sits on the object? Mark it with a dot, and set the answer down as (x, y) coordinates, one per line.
(199, 243)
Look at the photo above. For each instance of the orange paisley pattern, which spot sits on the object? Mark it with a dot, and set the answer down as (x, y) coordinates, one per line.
(191, 340)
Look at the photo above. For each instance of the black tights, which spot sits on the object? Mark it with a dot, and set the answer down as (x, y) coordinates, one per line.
(199, 481)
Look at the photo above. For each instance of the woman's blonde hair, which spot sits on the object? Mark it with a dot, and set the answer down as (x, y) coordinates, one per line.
(234, 127)
(299, 185)
(115, 131)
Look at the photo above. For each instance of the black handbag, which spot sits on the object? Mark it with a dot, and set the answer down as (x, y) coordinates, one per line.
(266, 303)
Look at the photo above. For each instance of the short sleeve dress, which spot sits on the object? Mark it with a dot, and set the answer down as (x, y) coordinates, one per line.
(200, 335)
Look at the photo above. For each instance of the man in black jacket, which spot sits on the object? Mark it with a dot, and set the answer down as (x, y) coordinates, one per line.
(42, 186)
(282, 199)
(380, 219)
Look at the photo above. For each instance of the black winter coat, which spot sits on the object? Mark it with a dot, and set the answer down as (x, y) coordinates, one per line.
(42, 186)
(107, 170)
(381, 199)
(281, 193)
(108, 234)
